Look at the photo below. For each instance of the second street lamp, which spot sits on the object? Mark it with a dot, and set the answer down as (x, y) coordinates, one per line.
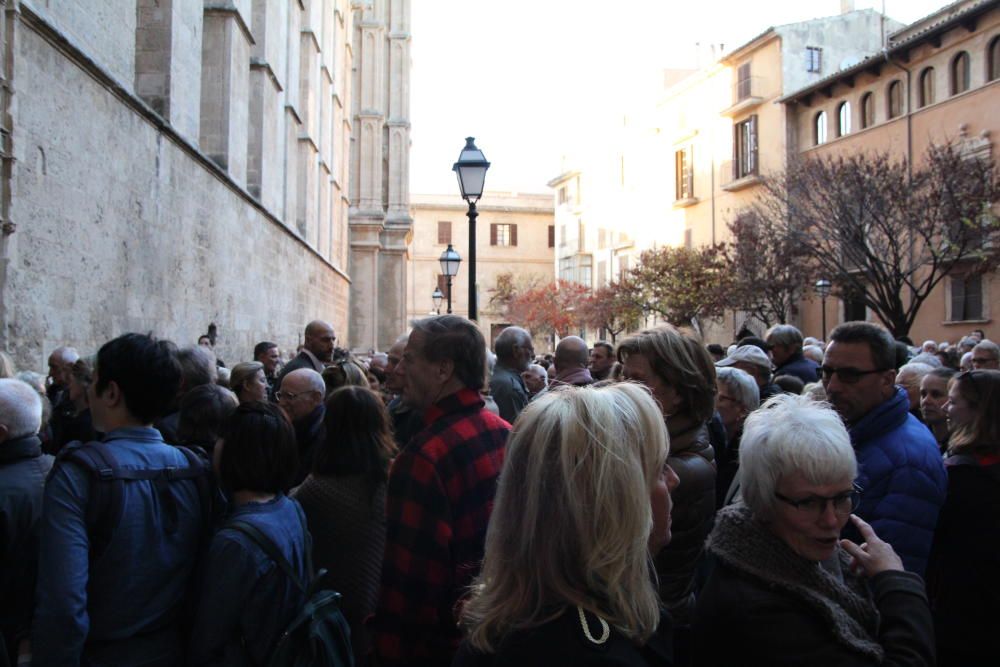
(437, 297)
(471, 170)
(823, 287)
(450, 261)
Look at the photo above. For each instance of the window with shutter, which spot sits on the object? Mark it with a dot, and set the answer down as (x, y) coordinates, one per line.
(552, 236)
(966, 298)
(444, 232)
(513, 235)
(503, 234)
(683, 174)
(814, 59)
(745, 147)
(743, 82)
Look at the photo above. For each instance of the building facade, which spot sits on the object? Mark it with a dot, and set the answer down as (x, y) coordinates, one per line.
(514, 232)
(938, 81)
(171, 164)
(380, 222)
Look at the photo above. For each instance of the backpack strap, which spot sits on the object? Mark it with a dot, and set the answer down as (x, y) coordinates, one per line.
(269, 548)
(105, 504)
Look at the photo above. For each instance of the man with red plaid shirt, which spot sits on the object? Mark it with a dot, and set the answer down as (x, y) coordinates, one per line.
(440, 494)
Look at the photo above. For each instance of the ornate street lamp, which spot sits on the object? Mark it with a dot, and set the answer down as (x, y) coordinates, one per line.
(471, 170)
(437, 297)
(450, 261)
(823, 287)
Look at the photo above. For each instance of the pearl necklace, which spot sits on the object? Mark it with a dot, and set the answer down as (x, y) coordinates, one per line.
(605, 628)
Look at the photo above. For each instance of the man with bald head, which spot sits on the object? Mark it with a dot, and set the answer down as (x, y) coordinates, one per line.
(514, 354)
(317, 350)
(60, 365)
(301, 397)
(571, 361)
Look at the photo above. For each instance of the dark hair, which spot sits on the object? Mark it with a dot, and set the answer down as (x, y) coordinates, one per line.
(204, 337)
(902, 354)
(146, 371)
(790, 384)
(881, 344)
(358, 436)
(202, 412)
(943, 373)
(258, 450)
(197, 367)
(342, 373)
(716, 349)
(680, 359)
(607, 346)
(981, 388)
(378, 373)
(949, 358)
(755, 341)
(261, 348)
(456, 339)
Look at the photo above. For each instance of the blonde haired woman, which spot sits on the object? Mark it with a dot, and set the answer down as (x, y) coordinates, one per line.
(583, 503)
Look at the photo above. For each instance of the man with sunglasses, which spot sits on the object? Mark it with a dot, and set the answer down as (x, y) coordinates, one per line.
(899, 467)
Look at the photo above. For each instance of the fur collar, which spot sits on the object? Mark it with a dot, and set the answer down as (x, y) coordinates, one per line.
(749, 547)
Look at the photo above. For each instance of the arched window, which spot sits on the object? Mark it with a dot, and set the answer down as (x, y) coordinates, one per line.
(843, 119)
(960, 73)
(926, 92)
(993, 60)
(867, 110)
(820, 128)
(895, 99)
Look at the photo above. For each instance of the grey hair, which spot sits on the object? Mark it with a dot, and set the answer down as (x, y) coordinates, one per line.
(505, 342)
(792, 434)
(910, 375)
(814, 352)
(197, 367)
(926, 358)
(20, 408)
(988, 346)
(741, 384)
(784, 334)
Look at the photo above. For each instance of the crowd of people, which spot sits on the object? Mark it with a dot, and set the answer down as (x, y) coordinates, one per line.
(659, 501)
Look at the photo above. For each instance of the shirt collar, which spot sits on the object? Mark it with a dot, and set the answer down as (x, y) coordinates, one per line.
(146, 433)
(317, 364)
(25, 447)
(463, 399)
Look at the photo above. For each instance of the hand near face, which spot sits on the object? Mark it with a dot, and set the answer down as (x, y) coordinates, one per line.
(874, 555)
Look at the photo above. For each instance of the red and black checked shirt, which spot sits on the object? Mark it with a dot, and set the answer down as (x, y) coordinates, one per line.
(438, 503)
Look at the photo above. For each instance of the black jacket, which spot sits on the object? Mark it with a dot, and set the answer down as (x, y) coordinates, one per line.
(963, 575)
(563, 642)
(310, 435)
(23, 469)
(798, 366)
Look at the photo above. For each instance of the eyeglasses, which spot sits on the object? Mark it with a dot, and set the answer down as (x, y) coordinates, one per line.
(815, 506)
(848, 375)
(282, 395)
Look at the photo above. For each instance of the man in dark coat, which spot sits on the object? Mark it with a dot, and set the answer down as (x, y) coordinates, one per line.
(785, 342)
(514, 354)
(317, 350)
(571, 362)
(23, 469)
(301, 397)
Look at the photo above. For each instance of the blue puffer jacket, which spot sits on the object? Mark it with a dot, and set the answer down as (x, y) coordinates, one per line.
(902, 478)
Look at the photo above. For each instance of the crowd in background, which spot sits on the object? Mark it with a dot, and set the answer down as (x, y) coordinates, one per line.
(661, 501)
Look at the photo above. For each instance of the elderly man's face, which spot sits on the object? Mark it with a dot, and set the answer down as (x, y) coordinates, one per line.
(534, 379)
(933, 396)
(394, 381)
(297, 397)
(59, 371)
(422, 380)
(731, 410)
(909, 381)
(320, 343)
(985, 360)
(780, 353)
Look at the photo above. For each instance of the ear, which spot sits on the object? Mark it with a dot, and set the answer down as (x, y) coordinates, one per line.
(112, 395)
(446, 370)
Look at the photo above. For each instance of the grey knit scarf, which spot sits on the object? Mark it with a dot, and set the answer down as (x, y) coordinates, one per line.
(749, 547)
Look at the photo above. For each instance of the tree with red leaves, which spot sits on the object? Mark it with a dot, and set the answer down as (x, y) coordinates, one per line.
(684, 285)
(555, 308)
(616, 308)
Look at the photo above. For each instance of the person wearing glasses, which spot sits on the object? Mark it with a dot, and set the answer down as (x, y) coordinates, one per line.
(899, 464)
(301, 397)
(986, 356)
(783, 588)
(963, 577)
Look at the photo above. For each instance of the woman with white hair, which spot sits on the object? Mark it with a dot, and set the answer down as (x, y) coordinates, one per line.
(582, 505)
(738, 396)
(783, 588)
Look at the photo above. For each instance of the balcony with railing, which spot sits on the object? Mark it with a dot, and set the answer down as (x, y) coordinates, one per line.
(748, 93)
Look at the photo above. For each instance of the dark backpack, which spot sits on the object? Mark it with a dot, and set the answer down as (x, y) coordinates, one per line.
(106, 505)
(318, 635)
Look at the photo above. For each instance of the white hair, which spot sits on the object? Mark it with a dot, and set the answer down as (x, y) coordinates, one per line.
(814, 352)
(966, 361)
(792, 434)
(741, 384)
(926, 358)
(20, 408)
(910, 375)
(928, 345)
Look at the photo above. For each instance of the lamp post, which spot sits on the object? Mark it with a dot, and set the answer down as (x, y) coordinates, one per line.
(471, 170)
(437, 297)
(823, 288)
(449, 267)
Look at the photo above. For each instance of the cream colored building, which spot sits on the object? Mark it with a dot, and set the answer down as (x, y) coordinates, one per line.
(675, 174)
(170, 164)
(514, 232)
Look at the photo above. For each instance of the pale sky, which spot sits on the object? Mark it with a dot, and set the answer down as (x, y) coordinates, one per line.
(530, 79)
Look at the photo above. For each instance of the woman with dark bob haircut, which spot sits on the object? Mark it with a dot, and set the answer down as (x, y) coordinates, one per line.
(247, 601)
(963, 574)
(677, 369)
(344, 501)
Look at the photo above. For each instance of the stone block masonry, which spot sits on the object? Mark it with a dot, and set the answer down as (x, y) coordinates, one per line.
(122, 225)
